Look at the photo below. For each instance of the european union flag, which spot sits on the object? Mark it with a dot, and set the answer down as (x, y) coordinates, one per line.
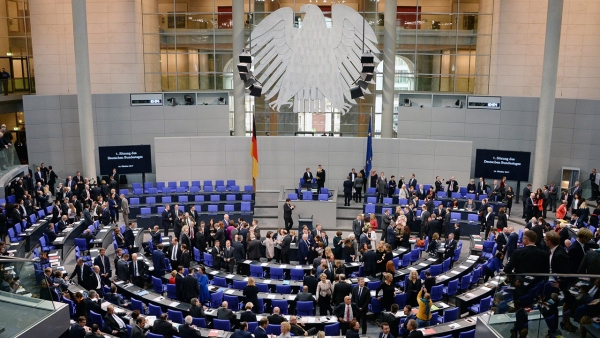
(369, 160)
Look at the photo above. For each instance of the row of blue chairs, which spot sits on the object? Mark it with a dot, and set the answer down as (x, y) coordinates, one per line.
(245, 207)
(184, 186)
(133, 201)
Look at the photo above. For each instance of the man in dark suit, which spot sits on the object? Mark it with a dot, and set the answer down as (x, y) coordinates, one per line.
(285, 248)
(341, 290)
(166, 219)
(393, 320)
(260, 331)
(311, 281)
(511, 243)
(559, 261)
(308, 178)
(163, 327)
(594, 184)
(114, 324)
(502, 239)
(174, 252)
(78, 330)
(103, 263)
(421, 193)
(412, 182)
(303, 250)
(357, 226)
(179, 282)
(287, 214)
(361, 296)
(137, 271)
(578, 249)
(276, 318)
(385, 331)
(130, 238)
(438, 184)
(51, 233)
(158, 261)
(190, 287)
(92, 303)
(524, 198)
(248, 316)
(224, 313)
(449, 248)
(412, 328)
(305, 295)
(82, 271)
(452, 186)
(482, 187)
(39, 176)
(346, 312)
(187, 330)
(370, 262)
(95, 280)
(229, 257)
(122, 268)
(348, 187)
(528, 259)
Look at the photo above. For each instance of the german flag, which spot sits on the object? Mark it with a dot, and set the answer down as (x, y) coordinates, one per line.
(254, 152)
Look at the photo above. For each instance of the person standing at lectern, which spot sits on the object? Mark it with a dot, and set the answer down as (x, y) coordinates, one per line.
(287, 213)
(320, 178)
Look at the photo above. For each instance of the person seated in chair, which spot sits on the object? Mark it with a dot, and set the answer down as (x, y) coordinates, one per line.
(113, 324)
(162, 326)
(248, 315)
(276, 318)
(242, 332)
(298, 328)
(224, 312)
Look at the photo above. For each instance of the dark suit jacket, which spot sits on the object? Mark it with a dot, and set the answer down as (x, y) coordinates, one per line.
(122, 270)
(528, 259)
(104, 268)
(311, 282)
(339, 310)
(364, 300)
(223, 313)
(142, 268)
(136, 332)
(76, 331)
(190, 288)
(247, 316)
(259, 332)
(111, 324)
(370, 262)
(81, 278)
(276, 319)
(340, 290)
(560, 261)
(164, 328)
(415, 333)
(576, 254)
(186, 331)
(165, 222)
(177, 254)
(287, 211)
(158, 261)
(308, 176)
(351, 333)
(511, 245)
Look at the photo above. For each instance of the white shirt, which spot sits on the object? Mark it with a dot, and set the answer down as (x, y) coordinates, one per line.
(119, 321)
(551, 253)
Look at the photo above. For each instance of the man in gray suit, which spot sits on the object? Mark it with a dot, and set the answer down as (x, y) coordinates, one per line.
(123, 268)
(357, 226)
(382, 188)
(305, 296)
(137, 331)
(125, 208)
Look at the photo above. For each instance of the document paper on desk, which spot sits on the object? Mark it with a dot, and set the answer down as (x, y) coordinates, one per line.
(264, 264)
(229, 291)
(174, 304)
(229, 276)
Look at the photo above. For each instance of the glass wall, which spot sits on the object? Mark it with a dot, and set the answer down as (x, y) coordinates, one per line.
(188, 45)
(16, 55)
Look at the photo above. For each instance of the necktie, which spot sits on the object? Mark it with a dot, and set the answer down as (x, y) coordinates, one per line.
(119, 321)
(347, 313)
(359, 292)
(174, 254)
(99, 282)
(135, 270)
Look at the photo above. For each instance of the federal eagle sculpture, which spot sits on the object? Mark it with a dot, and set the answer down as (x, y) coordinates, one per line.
(311, 63)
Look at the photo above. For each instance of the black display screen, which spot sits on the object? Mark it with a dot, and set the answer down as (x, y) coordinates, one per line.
(134, 159)
(498, 163)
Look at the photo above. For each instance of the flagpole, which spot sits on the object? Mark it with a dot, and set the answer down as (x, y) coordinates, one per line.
(254, 133)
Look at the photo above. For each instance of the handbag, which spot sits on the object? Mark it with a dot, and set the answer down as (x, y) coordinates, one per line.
(420, 243)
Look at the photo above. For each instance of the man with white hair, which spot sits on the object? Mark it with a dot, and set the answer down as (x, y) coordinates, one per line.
(298, 328)
(188, 330)
(113, 323)
(276, 318)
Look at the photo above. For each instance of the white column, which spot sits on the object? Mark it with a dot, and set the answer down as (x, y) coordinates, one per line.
(547, 97)
(389, 68)
(84, 91)
(239, 97)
